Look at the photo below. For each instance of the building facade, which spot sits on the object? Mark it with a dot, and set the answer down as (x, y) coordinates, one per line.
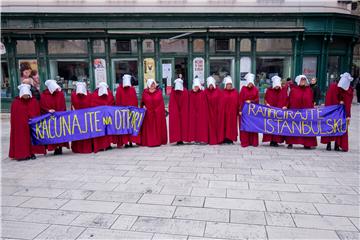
(86, 41)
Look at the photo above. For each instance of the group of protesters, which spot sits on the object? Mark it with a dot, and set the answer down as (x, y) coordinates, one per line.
(202, 115)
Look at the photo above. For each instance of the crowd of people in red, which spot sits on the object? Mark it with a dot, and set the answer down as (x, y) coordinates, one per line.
(199, 116)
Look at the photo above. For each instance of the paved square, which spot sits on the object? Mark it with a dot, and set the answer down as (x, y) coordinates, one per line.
(184, 192)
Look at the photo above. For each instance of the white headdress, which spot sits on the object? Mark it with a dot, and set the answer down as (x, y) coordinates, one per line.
(103, 88)
(249, 78)
(24, 89)
(81, 88)
(126, 80)
(210, 81)
(52, 85)
(179, 84)
(345, 80)
(276, 81)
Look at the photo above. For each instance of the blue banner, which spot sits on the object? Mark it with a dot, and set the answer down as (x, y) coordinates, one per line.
(85, 123)
(309, 122)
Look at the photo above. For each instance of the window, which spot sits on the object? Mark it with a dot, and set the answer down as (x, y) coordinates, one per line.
(126, 66)
(174, 46)
(245, 66)
(68, 72)
(98, 46)
(67, 47)
(267, 67)
(148, 46)
(245, 45)
(274, 45)
(25, 47)
(5, 81)
(220, 68)
(222, 45)
(123, 46)
(198, 45)
(309, 67)
(332, 69)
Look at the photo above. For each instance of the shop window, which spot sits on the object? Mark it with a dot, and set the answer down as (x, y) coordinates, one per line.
(68, 72)
(67, 47)
(174, 46)
(245, 45)
(198, 45)
(148, 46)
(5, 81)
(126, 66)
(222, 45)
(274, 45)
(28, 68)
(99, 46)
(333, 72)
(309, 67)
(267, 67)
(25, 47)
(123, 46)
(220, 68)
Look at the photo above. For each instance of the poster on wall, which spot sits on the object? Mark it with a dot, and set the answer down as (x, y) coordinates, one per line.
(199, 68)
(309, 67)
(29, 69)
(99, 70)
(166, 76)
(149, 69)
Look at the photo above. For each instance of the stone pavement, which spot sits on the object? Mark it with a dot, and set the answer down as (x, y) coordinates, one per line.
(184, 192)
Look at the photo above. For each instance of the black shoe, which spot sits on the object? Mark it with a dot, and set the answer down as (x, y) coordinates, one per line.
(180, 143)
(337, 148)
(290, 146)
(127, 145)
(275, 144)
(23, 159)
(108, 148)
(33, 157)
(58, 151)
(307, 147)
(130, 144)
(328, 147)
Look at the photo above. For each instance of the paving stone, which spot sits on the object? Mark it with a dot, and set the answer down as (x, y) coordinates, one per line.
(114, 196)
(290, 207)
(208, 192)
(299, 233)
(205, 214)
(40, 192)
(13, 201)
(96, 220)
(240, 204)
(338, 210)
(124, 222)
(302, 197)
(57, 232)
(90, 206)
(21, 230)
(189, 201)
(157, 199)
(323, 222)
(76, 194)
(47, 203)
(252, 194)
(15, 213)
(234, 231)
(348, 235)
(247, 217)
(51, 216)
(146, 210)
(96, 233)
(279, 219)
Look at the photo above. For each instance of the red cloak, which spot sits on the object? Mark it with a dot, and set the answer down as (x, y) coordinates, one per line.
(126, 96)
(215, 106)
(198, 117)
(20, 140)
(153, 130)
(332, 98)
(301, 97)
(275, 98)
(251, 94)
(80, 101)
(101, 143)
(231, 112)
(178, 116)
(54, 101)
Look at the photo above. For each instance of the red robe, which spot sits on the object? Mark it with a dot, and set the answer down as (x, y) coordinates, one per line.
(101, 143)
(80, 101)
(54, 101)
(301, 97)
(20, 140)
(231, 112)
(214, 99)
(178, 116)
(198, 117)
(332, 98)
(126, 97)
(252, 94)
(346, 96)
(153, 130)
(275, 98)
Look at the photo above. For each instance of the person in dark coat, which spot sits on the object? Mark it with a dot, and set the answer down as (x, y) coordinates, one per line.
(316, 91)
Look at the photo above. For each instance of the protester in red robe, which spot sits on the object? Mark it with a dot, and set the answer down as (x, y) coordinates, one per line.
(231, 111)
(198, 114)
(153, 130)
(301, 96)
(126, 96)
(342, 95)
(178, 113)
(23, 108)
(275, 96)
(102, 96)
(81, 98)
(214, 97)
(52, 99)
(248, 94)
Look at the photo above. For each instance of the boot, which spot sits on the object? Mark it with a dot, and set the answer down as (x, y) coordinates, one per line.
(328, 147)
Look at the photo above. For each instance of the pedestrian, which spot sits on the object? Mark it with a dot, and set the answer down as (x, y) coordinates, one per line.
(198, 114)
(23, 108)
(231, 111)
(52, 100)
(178, 113)
(126, 96)
(275, 96)
(102, 96)
(80, 99)
(301, 96)
(248, 94)
(316, 91)
(153, 130)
